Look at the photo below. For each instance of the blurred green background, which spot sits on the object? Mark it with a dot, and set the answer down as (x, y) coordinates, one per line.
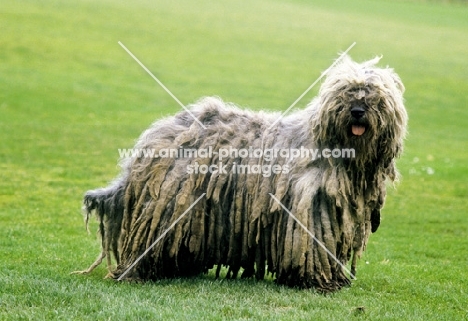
(70, 96)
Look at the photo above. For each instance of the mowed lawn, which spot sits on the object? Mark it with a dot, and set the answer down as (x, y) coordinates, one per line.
(70, 97)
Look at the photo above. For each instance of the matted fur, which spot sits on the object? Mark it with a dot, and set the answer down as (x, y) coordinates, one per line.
(237, 224)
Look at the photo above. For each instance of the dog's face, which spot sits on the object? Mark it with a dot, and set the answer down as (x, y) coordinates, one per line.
(358, 113)
(362, 112)
(361, 107)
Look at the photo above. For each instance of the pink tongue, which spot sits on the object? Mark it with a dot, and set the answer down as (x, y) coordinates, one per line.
(358, 130)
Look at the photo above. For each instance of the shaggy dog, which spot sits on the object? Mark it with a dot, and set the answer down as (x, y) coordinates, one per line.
(302, 219)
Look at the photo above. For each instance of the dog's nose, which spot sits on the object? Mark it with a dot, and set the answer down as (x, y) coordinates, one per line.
(357, 112)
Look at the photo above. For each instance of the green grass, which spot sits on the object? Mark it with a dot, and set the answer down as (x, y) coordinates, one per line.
(70, 97)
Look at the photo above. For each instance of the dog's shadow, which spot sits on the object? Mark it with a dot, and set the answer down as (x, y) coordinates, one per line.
(209, 281)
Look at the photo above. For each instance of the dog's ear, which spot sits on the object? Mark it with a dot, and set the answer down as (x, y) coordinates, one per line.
(388, 150)
(391, 140)
(394, 131)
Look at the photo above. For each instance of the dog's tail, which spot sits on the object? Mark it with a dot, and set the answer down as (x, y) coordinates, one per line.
(108, 206)
(106, 203)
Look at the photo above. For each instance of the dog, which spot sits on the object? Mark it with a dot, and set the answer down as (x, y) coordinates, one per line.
(236, 188)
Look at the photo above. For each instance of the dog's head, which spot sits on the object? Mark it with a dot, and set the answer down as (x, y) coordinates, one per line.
(361, 106)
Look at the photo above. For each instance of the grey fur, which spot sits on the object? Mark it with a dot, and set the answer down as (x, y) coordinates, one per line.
(237, 224)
